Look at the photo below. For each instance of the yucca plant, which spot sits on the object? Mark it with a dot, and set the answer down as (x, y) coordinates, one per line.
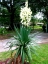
(23, 44)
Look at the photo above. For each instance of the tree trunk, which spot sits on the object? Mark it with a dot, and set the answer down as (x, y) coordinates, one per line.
(11, 26)
(47, 27)
(12, 11)
(18, 60)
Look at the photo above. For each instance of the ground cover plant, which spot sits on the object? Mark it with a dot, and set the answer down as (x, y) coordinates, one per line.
(42, 57)
(5, 55)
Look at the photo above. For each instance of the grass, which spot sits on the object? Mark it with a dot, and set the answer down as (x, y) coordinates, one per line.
(42, 57)
(37, 27)
(5, 55)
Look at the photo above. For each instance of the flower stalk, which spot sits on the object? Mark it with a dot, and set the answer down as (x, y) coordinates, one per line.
(25, 14)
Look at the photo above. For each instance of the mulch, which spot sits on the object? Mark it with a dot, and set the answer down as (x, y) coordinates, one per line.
(2, 37)
(5, 61)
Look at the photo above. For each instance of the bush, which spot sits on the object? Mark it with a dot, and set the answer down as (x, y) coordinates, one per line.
(3, 31)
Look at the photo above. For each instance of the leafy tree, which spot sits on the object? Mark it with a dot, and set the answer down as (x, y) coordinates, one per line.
(12, 6)
(36, 6)
(4, 16)
(40, 6)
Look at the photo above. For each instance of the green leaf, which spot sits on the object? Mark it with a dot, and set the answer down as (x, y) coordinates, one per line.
(18, 35)
(29, 56)
(22, 55)
(17, 53)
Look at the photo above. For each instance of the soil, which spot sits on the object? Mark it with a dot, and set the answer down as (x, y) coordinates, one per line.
(2, 37)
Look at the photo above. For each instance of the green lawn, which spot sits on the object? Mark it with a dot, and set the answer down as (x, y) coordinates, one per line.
(37, 27)
(42, 57)
(5, 55)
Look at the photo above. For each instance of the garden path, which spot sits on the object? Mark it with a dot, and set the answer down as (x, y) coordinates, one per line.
(4, 45)
(40, 38)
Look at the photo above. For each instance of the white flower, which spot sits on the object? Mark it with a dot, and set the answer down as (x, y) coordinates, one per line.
(25, 15)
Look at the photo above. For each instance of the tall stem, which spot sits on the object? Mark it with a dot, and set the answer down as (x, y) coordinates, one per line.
(26, 3)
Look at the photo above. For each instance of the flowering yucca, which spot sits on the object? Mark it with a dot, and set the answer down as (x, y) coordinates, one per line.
(25, 15)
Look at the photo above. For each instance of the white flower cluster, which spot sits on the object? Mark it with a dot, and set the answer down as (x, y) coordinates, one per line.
(25, 15)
